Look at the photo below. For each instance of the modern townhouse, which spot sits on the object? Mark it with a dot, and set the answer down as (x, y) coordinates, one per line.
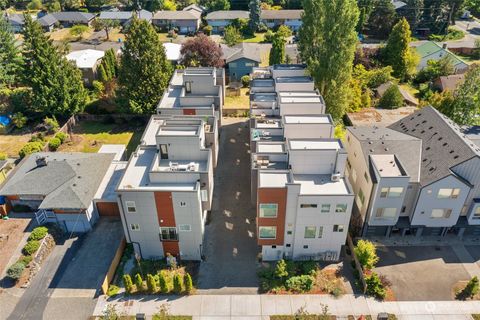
(297, 179)
(184, 21)
(276, 18)
(218, 20)
(167, 189)
(417, 177)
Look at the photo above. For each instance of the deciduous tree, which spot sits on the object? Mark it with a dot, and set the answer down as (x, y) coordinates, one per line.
(216, 5)
(201, 51)
(106, 25)
(366, 254)
(466, 105)
(327, 45)
(232, 36)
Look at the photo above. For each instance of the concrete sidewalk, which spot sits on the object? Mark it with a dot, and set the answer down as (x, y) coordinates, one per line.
(262, 306)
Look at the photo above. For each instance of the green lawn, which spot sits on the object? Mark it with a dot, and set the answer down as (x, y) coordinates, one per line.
(238, 102)
(259, 37)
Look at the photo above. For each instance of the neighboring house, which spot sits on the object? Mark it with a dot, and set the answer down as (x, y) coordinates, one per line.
(63, 187)
(185, 21)
(433, 51)
(16, 21)
(167, 188)
(398, 4)
(124, 17)
(297, 180)
(408, 99)
(417, 177)
(449, 83)
(218, 20)
(48, 22)
(70, 18)
(87, 61)
(196, 7)
(276, 18)
(172, 50)
(241, 59)
(378, 117)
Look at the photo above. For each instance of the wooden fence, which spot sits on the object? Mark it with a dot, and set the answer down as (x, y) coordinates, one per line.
(113, 266)
(358, 266)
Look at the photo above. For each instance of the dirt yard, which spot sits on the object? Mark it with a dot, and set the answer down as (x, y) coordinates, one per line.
(11, 233)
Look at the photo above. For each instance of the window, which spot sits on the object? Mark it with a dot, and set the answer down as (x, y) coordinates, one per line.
(365, 175)
(338, 228)
(168, 233)
(288, 245)
(310, 232)
(204, 195)
(306, 205)
(325, 208)
(188, 86)
(342, 208)
(441, 213)
(305, 247)
(274, 247)
(289, 232)
(268, 210)
(232, 64)
(354, 175)
(320, 232)
(476, 213)
(404, 208)
(184, 227)
(249, 64)
(448, 193)
(135, 227)
(131, 206)
(361, 196)
(386, 213)
(183, 204)
(267, 232)
(392, 192)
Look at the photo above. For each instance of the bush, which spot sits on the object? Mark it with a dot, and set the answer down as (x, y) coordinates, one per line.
(151, 284)
(38, 233)
(300, 284)
(245, 81)
(392, 98)
(366, 254)
(112, 290)
(207, 30)
(187, 279)
(472, 288)
(139, 282)
(39, 137)
(177, 284)
(162, 283)
(375, 287)
(51, 124)
(269, 35)
(29, 148)
(31, 247)
(127, 283)
(62, 136)
(15, 271)
(308, 267)
(19, 120)
(3, 156)
(98, 88)
(25, 260)
(54, 143)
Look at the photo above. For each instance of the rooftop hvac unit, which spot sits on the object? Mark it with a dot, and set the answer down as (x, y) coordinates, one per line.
(336, 177)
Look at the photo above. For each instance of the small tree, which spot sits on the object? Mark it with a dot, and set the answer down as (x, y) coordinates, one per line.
(392, 98)
(232, 36)
(281, 269)
(201, 51)
(366, 254)
(162, 282)
(284, 31)
(245, 81)
(139, 282)
(106, 25)
(177, 283)
(187, 279)
(151, 284)
(127, 283)
(19, 120)
(472, 287)
(78, 30)
(15, 271)
(277, 53)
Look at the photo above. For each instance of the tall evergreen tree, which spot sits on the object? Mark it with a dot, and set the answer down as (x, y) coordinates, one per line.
(57, 87)
(327, 44)
(277, 52)
(381, 19)
(144, 69)
(255, 11)
(10, 59)
(398, 54)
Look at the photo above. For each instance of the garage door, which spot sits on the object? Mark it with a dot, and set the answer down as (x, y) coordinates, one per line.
(109, 209)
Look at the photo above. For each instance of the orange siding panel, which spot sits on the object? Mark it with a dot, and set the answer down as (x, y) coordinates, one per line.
(278, 196)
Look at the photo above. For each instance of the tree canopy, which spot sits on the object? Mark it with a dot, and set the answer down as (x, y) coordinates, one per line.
(201, 51)
(255, 11)
(144, 70)
(10, 59)
(277, 52)
(327, 44)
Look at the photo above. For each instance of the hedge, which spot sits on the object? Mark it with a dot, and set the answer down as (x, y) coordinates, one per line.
(31, 247)
(29, 148)
(38, 233)
(61, 136)
(54, 143)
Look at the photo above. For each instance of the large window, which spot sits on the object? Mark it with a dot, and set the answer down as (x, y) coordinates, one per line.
(308, 205)
(325, 208)
(476, 213)
(441, 213)
(310, 232)
(268, 210)
(341, 208)
(267, 232)
(320, 232)
(131, 208)
(448, 193)
(168, 233)
(393, 192)
(386, 213)
(338, 228)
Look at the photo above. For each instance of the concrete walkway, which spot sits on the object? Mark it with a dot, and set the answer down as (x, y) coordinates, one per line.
(262, 306)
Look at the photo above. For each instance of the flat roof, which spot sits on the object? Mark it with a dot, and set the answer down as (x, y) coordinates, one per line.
(262, 83)
(117, 149)
(273, 179)
(299, 79)
(307, 119)
(304, 99)
(268, 123)
(263, 96)
(106, 191)
(178, 131)
(265, 147)
(387, 165)
(315, 144)
(298, 94)
(320, 184)
(289, 66)
(181, 166)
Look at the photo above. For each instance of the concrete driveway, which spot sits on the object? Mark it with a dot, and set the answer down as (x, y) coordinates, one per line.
(230, 243)
(421, 272)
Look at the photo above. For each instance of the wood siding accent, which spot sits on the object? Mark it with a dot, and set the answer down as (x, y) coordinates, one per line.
(73, 211)
(278, 196)
(166, 218)
(108, 209)
(189, 112)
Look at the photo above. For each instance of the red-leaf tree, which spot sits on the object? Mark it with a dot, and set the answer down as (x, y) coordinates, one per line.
(201, 51)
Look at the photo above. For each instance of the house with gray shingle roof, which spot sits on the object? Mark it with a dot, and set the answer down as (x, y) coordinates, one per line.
(124, 17)
(184, 21)
(70, 18)
(16, 21)
(60, 187)
(276, 18)
(241, 59)
(48, 22)
(417, 177)
(220, 19)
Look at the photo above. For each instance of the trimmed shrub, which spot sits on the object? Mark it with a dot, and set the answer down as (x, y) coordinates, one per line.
(151, 284)
(187, 281)
(15, 271)
(139, 282)
(300, 284)
(375, 287)
(38, 233)
(54, 143)
(162, 283)
(392, 98)
(31, 247)
(25, 260)
(112, 290)
(29, 148)
(177, 284)
(245, 81)
(127, 283)
(62, 136)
